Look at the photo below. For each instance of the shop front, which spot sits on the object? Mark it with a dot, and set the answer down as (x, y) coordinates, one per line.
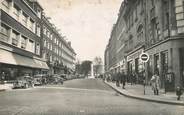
(135, 67)
(13, 65)
(166, 59)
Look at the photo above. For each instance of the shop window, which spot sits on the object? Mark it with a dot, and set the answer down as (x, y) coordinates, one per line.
(15, 38)
(164, 61)
(181, 52)
(4, 35)
(156, 62)
(23, 42)
(150, 67)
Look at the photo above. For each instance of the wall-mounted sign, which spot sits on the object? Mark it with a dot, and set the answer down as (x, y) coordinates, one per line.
(144, 57)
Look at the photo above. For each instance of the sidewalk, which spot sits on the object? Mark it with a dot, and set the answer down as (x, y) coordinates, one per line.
(4, 87)
(137, 92)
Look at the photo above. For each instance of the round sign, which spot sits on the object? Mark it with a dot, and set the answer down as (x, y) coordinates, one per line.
(144, 57)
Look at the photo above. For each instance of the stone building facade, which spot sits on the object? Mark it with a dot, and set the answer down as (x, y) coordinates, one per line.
(22, 40)
(56, 50)
(156, 28)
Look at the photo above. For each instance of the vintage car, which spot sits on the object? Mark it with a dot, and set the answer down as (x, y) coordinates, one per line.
(23, 82)
(39, 79)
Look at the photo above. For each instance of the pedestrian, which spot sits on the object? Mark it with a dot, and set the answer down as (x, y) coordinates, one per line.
(3, 77)
(123, 76)
(155, 83)
(118, 75)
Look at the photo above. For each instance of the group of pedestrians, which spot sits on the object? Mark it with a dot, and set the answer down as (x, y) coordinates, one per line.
(122, 78)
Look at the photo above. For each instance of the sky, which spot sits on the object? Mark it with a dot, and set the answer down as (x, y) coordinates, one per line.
(86, 23)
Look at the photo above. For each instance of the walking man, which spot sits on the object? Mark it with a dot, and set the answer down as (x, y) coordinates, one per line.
(155, 83)
(123, 80)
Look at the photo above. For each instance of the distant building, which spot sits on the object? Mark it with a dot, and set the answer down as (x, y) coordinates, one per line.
(56, 50)
(155, 27)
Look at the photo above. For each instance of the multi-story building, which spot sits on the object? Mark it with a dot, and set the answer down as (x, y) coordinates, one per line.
(155, 27)
(20, 38)
(56, 50)
(29, 43)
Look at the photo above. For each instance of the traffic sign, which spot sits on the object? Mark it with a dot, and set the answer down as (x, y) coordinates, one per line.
(144, 57)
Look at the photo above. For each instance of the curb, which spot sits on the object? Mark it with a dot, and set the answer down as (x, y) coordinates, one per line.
(146, 98)
(1, 90)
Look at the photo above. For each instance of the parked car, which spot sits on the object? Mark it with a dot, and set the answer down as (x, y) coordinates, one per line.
(40, 79)
(23, 82)
(56, 79)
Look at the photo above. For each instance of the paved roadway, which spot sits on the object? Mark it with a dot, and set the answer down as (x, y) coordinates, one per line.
(79, 97)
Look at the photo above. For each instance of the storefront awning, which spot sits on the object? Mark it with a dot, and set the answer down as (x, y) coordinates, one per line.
(15, 59)
(7, 57)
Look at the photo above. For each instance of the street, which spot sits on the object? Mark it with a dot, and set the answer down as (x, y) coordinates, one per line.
(78, 97)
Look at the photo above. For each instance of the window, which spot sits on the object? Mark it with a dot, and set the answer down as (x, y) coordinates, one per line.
(31, 26)
(50, 46)
(51, 36)
(4, 35)
(15, 38)
(44, 43)
(38, 49)
(142, 6)
(50, 58)
(44, 30)
(136, 13)
(130, 42)
(16, 12)
(48, 34)
(6, 5)
(24, 19)
(23, 42)
(152, 2)
(31, 46)
(139, 34)
(38, 30)
(39, 13)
